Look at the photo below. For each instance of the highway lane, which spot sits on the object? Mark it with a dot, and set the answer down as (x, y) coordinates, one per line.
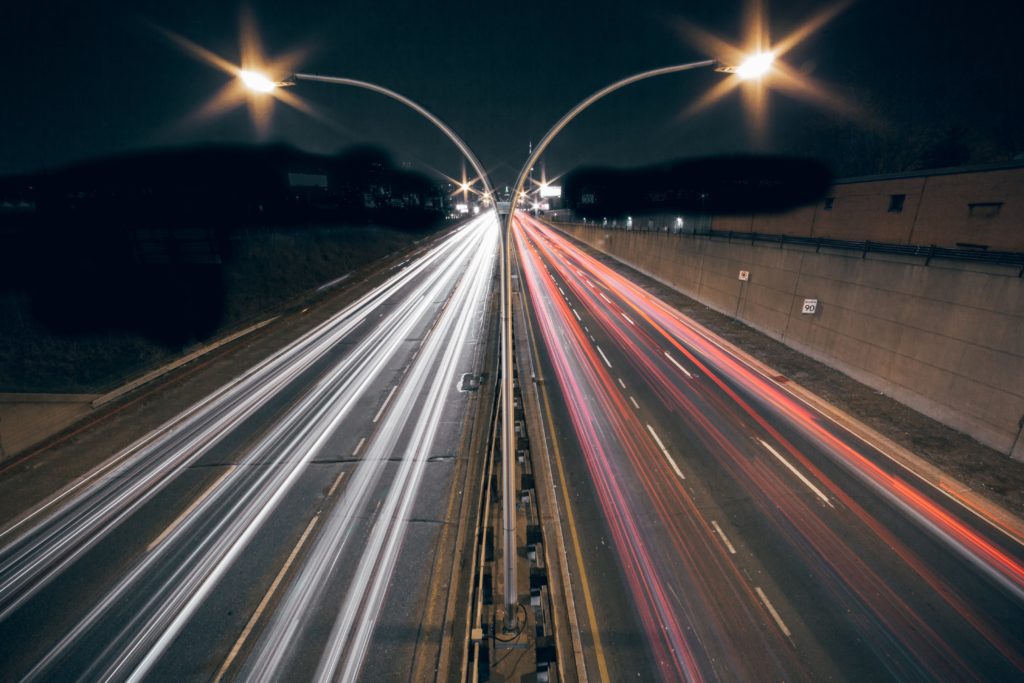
(725, 530)
(308, 484)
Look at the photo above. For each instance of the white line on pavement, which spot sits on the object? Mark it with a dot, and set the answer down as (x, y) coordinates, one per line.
(725, 540)
(676, 363)
(665, 451)
(771, 610)
(798, 473)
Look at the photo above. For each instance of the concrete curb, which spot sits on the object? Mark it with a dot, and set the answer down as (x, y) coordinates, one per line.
(159, 372)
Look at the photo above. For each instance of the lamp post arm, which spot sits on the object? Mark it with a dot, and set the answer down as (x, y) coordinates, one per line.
(575, 111)
(419, 109)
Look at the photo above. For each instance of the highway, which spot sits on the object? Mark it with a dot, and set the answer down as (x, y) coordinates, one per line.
(287, 526)
(718, 528)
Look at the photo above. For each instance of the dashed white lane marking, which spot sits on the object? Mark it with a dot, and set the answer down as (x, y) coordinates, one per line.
(721, 534)
(621, 383)
(807, 482)
(664, 450)
(606, 361)
(771, 610)
(633, 401)
(577, 315)
(676, 363)
(358, 446)
(604, 297)
(628, 319)
(562, 291)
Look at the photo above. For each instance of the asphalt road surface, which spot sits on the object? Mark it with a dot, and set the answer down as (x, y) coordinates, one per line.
(719, 529)
(286, 526)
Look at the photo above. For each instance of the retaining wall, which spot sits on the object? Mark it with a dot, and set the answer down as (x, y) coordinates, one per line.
(946, 338)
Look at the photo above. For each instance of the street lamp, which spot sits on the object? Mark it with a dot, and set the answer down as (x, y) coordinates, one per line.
(753, 67)
(254, 80)
(259, 83)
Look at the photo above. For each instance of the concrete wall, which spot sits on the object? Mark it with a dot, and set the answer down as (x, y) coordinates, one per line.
(947, 339)
(947, 209)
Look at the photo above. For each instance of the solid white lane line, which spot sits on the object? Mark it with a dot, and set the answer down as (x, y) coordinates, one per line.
(604, 297)
(633, 401)
(202, 496)
(334, 486)
(577, 315)
(721, 534)
(665, 451)
(358, 446)
(621, 383)
(385, 404)
(771, 610)
(266, 599)
(606, 361)
(628, 319)
(676, 363)
(807, 482)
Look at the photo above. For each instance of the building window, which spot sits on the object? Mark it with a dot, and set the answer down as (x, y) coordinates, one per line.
(984, 209)
(829, 202)
(896, 203)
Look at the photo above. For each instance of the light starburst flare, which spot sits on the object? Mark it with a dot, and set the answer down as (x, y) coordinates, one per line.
(759, 67)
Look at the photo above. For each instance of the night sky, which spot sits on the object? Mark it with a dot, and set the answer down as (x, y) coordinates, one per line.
(911, 83)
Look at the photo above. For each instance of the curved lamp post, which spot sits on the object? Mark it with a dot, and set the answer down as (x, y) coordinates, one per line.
(754, 67)
(398, 97)
(260, 83)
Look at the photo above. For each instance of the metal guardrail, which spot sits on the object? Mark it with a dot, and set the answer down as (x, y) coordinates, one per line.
(1011, 258)
(929, 252)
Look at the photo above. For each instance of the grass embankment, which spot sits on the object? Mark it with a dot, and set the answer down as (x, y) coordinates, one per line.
(265, 269)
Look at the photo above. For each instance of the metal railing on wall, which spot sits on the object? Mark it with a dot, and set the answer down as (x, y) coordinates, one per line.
(928, 253)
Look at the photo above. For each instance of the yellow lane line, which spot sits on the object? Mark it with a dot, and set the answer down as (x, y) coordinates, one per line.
(203, 496)
(602, 665)
(265, 601)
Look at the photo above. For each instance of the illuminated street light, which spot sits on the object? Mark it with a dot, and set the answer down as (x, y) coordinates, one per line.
(256, 81)
(755, 66)
(261, 83)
